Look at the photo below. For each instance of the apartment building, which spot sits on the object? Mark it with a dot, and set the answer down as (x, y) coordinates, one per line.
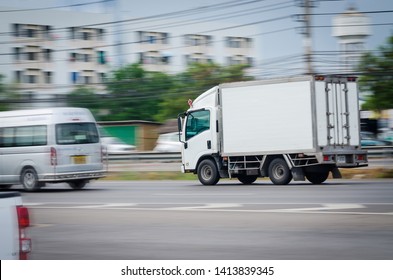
(173, 49)
(47, 53)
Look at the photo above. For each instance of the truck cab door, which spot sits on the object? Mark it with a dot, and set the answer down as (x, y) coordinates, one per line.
(197, 136)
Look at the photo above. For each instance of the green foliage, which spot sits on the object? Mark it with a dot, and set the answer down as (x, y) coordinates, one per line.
(193, 82)
(85, 98)
(378, 78)
(8, 95)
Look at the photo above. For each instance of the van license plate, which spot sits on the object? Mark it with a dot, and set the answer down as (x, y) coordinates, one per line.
(341, 159)
(78, 159)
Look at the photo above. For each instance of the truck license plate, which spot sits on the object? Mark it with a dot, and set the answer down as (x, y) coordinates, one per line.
(341, 159)
(79, 159)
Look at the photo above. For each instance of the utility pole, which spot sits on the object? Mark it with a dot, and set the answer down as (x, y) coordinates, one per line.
(307, 39)
(118, 36)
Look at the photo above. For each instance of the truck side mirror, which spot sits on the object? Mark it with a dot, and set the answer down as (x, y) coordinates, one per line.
(179, 123)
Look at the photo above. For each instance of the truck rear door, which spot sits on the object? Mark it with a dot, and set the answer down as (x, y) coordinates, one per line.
(337, 111)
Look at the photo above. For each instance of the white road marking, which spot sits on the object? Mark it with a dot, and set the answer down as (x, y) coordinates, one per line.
(327, 208)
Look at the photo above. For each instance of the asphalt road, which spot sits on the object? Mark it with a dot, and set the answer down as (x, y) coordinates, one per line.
(154, 220)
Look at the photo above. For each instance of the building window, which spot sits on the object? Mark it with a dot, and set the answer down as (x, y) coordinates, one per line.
(72, 32)
(240, 59)
(198, 58)
(74, 77)
(47, 54)
(48, 77)
(17, 53)
(31, 33)
(16, 29)
(86, 36)
(198, 40)
(18, 76)
(100, 34)
(33, 56)
(101, 57)
(101, 77)
(31, 79)
(238, 42)
(146, 37)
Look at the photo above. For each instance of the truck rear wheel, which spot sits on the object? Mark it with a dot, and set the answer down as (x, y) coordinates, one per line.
(29, 179)
(208, 173)
(247, 179)
(317, 177)
(279, 172)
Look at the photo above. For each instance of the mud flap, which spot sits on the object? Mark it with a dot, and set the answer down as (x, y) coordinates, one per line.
(336, 173)
(298, 174)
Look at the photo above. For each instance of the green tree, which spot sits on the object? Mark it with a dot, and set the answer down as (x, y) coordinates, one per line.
(85, 97)
(378, 78)
(135, 93)
(193, 82)
(8, 95)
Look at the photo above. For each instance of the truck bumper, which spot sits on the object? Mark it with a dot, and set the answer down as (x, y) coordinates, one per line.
(346, 160)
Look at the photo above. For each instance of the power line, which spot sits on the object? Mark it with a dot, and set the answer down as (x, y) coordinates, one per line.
(55, 7)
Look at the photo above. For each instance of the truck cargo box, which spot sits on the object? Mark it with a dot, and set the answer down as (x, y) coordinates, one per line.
(288, 115)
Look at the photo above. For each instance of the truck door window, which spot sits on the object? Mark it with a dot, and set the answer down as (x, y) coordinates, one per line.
(197, 122)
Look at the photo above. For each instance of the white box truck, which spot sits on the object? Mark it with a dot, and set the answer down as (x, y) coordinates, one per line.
(289, 128)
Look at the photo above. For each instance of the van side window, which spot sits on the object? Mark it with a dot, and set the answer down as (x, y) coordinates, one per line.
(197, 122)
(76, 133)
(22, 136)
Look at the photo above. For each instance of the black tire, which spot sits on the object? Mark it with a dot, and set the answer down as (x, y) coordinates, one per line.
(208, 172)
(279, 172)
(78, 184)
(247, 179)
(317, 177)
(29, 180)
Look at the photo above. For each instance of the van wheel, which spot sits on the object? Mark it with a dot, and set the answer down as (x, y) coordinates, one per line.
(208, 173)
(247, 179)
(78, 184)
(29, 179)
(317, 177)
(279, 172)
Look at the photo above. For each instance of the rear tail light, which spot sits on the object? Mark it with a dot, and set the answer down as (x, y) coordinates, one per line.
(361, 157)
(24, 241)
(53, 156)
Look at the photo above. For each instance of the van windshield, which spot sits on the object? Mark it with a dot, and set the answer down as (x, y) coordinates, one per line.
(76, 133)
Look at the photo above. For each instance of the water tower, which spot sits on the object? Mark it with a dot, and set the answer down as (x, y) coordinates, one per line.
(351, 29)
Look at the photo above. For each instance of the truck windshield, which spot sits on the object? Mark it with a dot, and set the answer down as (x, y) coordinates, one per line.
(76, 133)
(197, 122)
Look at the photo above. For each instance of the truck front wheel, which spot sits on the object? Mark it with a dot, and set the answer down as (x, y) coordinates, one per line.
(279, 172)
(208, 173)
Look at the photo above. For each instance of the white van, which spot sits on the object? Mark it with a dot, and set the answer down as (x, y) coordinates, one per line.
(49, 146)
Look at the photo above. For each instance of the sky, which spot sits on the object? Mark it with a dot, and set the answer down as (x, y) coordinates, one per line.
(279, 31)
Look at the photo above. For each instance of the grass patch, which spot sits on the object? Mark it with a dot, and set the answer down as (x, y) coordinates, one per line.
(367, 173)
(157, 175)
